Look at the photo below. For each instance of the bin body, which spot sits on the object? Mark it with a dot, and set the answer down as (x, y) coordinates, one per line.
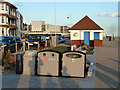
(19, 63)
(29, 62)
(109, 38)
(73, 64)
(17, 59)
(48, 63)
(92, 44)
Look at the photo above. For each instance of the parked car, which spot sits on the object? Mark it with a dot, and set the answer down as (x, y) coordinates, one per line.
(61, 39)
(9, 43)
(33, 40)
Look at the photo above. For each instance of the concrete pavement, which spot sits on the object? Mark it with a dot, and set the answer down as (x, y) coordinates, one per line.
(21, 81)
(12, 80)
(107, 65)
(106, 75)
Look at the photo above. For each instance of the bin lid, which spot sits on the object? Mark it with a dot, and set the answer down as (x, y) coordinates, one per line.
(30, 53)
(19, 53)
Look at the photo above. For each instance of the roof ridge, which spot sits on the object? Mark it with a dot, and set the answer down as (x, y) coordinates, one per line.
(86, 23)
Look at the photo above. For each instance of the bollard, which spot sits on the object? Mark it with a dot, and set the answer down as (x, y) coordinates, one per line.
(16, 47)
(24, 46)
(38, 45)
(2, 47)
(45, 43)
(73, 48)
(28, 45)
(50, 42)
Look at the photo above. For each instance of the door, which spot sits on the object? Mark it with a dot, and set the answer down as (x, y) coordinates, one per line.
(86, 37)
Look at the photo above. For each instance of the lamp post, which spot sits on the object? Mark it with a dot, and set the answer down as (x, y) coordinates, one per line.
(55, 17)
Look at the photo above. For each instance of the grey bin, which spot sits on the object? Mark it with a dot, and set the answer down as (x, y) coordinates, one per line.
(48, 63)
(73, 64)
(29, 62)
(19, 62)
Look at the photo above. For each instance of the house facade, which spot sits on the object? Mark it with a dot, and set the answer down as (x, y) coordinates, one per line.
(19, 24)
(10, 19)
(86, 31)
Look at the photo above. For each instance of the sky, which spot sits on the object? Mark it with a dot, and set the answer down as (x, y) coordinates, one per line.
(104, 14)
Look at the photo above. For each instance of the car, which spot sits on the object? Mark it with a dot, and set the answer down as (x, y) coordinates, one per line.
(61, 39)
(33, 40)
(9, 43)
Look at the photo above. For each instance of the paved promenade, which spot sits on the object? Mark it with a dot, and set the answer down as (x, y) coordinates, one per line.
(106, 74)
(107, 65)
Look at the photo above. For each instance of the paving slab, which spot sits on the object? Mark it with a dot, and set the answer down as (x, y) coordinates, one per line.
(12, 80)
(21, 81)
(106, 75)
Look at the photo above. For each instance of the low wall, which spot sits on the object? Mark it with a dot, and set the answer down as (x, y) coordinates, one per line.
(78, 42)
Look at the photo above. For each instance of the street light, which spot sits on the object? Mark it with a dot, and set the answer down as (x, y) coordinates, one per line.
(55, 17)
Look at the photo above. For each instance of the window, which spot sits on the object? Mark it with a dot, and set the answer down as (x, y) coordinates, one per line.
(2, 30)
(2, 6)
(96, 35)
(2, 19)
(6, 7)
(43, 27)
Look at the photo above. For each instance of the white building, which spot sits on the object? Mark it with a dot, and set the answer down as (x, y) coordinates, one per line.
(38, 26)
(86, 31)
(8, 19)
(52, 28)
(19, 24)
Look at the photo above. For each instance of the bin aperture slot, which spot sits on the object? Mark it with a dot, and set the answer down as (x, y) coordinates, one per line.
(73, 55)
(53, 55)
(44, 54)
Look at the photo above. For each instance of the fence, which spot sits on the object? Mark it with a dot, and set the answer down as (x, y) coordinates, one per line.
(26, 46)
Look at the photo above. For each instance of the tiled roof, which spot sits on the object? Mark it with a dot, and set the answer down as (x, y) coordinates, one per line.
(86, 24)
(2, 1)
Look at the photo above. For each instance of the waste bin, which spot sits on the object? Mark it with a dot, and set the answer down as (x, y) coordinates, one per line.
(73, 64)
(49, 63)
(110, 38)
(19, 62)
(29, 62)
(92, 44)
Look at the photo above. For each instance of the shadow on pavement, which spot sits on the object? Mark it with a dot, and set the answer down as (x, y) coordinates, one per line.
(114, 60)
(109, 81)
(67, 82)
